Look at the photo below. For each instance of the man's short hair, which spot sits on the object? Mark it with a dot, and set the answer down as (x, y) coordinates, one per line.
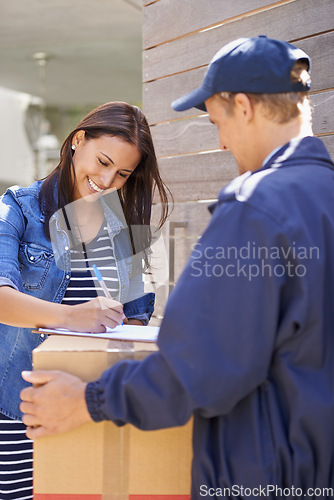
(282, 107)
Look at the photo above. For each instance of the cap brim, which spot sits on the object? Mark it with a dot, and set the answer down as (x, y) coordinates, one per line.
(194, 99)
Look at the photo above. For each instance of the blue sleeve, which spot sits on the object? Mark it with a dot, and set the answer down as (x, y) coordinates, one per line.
(144, 393)
(12, 226)
(141, 308)
(218, 333)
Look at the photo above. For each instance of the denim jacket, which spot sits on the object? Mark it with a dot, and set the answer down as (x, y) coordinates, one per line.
(30, 263)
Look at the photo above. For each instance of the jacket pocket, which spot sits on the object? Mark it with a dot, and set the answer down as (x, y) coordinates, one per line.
(34, 264)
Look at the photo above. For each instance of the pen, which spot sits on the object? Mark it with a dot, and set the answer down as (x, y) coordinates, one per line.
(101, 281)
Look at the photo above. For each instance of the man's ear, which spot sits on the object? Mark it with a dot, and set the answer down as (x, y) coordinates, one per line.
(244, 106)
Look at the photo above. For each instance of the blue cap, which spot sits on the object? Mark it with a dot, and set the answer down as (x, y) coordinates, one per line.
(258, 65)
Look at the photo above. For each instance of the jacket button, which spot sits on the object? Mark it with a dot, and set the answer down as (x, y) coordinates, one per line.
(151, 302)
(67, 276)
(66, 248)
(32, 258)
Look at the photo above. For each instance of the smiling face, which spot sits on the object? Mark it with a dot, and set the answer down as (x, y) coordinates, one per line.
(102, 163)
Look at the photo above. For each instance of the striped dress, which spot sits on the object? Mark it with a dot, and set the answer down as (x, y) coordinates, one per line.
(83, 285)
(16, 460)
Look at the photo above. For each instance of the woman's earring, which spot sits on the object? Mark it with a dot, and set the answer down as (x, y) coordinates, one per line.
(73, 147)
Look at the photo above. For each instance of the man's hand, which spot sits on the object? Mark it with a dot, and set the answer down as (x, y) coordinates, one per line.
(57, 403)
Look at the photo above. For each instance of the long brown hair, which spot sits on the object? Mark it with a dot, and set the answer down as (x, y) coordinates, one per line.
(136, 196)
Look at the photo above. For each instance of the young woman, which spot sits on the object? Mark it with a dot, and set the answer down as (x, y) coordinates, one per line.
(51, 234)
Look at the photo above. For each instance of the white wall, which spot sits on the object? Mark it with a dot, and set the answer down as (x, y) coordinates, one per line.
(16, 153)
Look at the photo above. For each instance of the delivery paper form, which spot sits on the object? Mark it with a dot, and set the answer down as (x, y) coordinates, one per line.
(135, 333)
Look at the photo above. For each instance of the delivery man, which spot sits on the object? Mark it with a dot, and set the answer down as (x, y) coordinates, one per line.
(246, 344)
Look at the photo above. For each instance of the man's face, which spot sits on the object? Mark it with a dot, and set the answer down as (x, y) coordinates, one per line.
(231, 131)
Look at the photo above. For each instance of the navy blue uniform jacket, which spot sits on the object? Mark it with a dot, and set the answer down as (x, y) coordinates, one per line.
(247, 341)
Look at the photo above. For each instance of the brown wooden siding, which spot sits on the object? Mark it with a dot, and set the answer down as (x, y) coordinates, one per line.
(179, 39)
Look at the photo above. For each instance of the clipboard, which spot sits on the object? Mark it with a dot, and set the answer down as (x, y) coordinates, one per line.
(133, 333)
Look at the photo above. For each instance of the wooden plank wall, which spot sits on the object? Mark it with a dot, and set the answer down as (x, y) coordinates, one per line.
(179, 39)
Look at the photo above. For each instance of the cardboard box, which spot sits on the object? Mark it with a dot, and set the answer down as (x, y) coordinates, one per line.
(103, 461)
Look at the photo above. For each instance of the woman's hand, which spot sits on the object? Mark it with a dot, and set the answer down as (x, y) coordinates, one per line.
(94, 316)
(132, 321)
